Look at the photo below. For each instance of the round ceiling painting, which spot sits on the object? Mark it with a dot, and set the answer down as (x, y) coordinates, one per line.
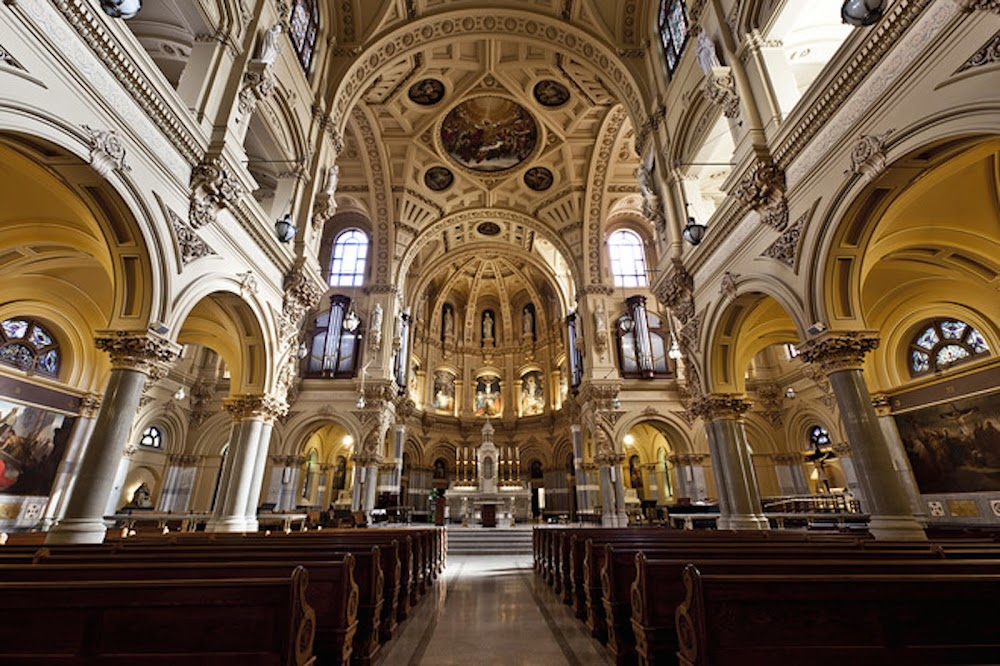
(489, 134)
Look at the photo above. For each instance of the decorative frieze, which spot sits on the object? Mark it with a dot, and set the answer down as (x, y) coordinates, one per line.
(144, 352)
(839, 351)
(107, 152)
(213, 187)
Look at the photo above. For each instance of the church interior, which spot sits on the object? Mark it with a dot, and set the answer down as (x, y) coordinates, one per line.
(586, 289)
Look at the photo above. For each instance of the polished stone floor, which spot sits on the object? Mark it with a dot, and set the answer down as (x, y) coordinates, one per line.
(491, 610)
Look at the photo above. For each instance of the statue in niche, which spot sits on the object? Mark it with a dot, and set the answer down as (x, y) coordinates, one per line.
(449, 322)
(527, 323)
(142, 498)
(532, 394)
(487, 326)
(332, 178)
(375, 327)
(707, 57)
(600, 318)
(269, 48)
(652, 207)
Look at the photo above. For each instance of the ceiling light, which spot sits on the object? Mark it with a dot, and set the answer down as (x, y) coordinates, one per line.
(862, 13)
(123, 9)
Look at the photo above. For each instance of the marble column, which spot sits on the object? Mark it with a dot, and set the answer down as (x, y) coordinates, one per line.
(248, 412)
(739, 498)
(274, 410)
(841, 356)
(900, 461)
(179, 483)
(791, 474)
(135, 359)
(358, 485)
(371, 488)
(115, 499)
(612, 489)
(652, 482)
(288, 482)
(70, 465)
(843, 452)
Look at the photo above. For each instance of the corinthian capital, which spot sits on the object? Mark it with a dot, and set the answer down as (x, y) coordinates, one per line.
(839, 350)
(719, 406)
(144, 351)
(255, 406)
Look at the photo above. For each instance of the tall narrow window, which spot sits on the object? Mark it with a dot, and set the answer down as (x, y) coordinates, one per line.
(575, 353)
(302, 29)
(26, 344)
(628, 259)
(942, 344)
(673, 26)
(350, 250)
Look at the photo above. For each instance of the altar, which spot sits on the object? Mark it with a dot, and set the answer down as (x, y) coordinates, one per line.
(488, 490)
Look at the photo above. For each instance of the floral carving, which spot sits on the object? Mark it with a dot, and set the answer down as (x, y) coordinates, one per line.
(676, 290)
(255, 406)
(189, 243)
(987, 54)
(763, 189)
(107, 153)
(719, 406)
(720, 87)
(868, 155)
(839, 351)
(213, 187)
(145, 352)
(786, 248)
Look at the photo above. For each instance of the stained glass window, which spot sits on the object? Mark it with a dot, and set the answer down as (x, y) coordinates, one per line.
(628, 259)
(673, 26)
(302, 29)
(350, 252)
(151, 438)
(943, 343)
(26, 344)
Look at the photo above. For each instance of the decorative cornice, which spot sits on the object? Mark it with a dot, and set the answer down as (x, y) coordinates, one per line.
(839, 350)
(144, 351)
(980, 5)
(719, 406)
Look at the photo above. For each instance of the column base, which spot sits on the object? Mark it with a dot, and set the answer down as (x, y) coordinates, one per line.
(743, 521)
(227, 524)
(252, 525)
(77, 531)
(896, 528)
(614, 520)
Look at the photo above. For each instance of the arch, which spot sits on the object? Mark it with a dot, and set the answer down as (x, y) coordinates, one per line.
(673, 429)
(546, 32)
(296, 433)
(750, 323)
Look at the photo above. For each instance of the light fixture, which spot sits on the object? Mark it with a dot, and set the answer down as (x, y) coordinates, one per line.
(790, 393)
(694, 231)
(285, 228)
(862, 13)
(674, 353)
(302, 351)
(123, 9)
(626, 323)
(628, 440)
(180, 394)
(351, 320)
(361, 402)
(616, 404)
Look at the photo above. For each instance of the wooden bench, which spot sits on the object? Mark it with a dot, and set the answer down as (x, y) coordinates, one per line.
(332, 592)
(838, 619)
(198, 622)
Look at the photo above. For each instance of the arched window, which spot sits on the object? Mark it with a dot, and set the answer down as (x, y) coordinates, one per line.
(673, 27)
(942, 344)
(818, 437)
(628, 259)
(151, 438)
(302, 28)
(26, 344)
(350, 250)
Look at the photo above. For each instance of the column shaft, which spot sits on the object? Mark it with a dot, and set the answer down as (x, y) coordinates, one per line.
(234, 490)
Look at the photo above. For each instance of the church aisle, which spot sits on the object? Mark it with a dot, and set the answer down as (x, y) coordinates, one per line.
(492, 611)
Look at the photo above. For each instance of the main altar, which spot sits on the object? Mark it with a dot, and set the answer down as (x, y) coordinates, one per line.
(488, 490)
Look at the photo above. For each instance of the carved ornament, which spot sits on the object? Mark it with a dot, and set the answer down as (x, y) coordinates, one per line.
(839, 351)
(107, 152)
(213, 187)
(868, 155)
(719, 406)
(720, 87)
(90, 405)
(144, 352)
(189, 244)
(763, 189)
(987, 54)
(255, 406)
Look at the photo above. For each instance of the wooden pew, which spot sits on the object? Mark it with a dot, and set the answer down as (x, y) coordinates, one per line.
(198, 622)
(332, 592)
(838, 619)
(658, 588)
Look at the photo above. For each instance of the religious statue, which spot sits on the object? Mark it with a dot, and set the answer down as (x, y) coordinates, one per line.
(332, 178)
(141, 498)
(269, 48)
(652, 208)
(707, 57)
(449, 322)
(487, 326)
(527, 323)
(375, 328)
(600, 317)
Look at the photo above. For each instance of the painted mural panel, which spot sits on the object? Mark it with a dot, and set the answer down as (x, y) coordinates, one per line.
(954, 447)
(488, 401)
(32, 443)
(489, 134)
(444, 392)
(532, 393)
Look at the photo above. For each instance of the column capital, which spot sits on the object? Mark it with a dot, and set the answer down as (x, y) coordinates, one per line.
(791, 458)
(719, 406)
(143, 351)
(255, 406)
(608, 458)
(90, 405)
(183, 459)
(129, 450)
(839, 350)
(842, 449)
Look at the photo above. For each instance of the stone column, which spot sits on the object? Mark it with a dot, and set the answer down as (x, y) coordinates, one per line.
(612, 489)
(652, 490)
(70, 465)
(248, 412)
(177, 488)
(135, 359)
(121, 473)
(288, 498)
(791, 475)
(273, 410)
(841, 356)
(739, 498)
(371, 488)
(900, 461)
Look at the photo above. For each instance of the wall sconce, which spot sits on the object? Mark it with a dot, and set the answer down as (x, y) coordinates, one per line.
(180, 394)
(123, 9)
(302, 351)
(694, 231)
(790, 393)
(285, 228)
(862, 13)
(674, 353)
(351, 320)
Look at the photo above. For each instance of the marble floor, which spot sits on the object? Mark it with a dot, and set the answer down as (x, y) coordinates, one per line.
(490, 610)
